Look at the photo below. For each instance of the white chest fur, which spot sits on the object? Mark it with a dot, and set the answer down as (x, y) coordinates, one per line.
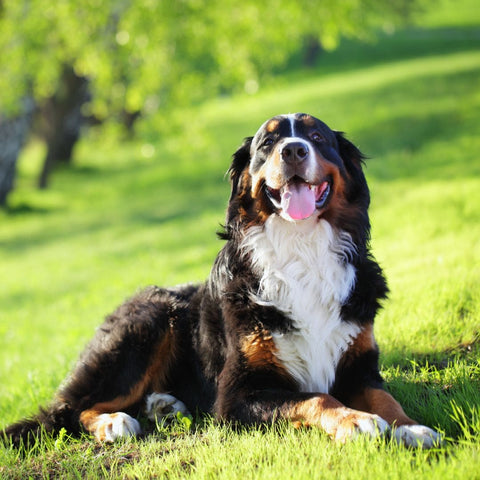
(305, 273)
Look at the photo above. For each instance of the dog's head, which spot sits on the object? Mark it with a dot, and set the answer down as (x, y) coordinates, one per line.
(298, 168)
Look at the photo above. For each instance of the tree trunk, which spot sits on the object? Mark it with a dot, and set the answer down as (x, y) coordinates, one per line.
(13, 132)
(313, 49)
(63, 120)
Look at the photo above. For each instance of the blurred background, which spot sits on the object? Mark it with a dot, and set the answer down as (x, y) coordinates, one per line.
(130, 67)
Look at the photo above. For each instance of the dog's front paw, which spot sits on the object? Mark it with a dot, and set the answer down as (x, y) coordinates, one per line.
(360, 423)
(110, 426)
(164, 406)
(417, 436)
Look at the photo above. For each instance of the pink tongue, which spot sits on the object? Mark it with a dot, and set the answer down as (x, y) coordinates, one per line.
(298, 201)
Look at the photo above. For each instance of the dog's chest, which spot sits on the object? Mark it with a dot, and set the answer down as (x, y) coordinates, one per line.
(306, 275)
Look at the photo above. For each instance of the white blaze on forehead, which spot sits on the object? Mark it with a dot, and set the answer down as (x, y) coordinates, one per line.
(291, 118)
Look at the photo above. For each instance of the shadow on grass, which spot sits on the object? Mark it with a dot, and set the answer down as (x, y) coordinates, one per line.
(405, 44)
(467, 352)
(23, 208)
(127, 197)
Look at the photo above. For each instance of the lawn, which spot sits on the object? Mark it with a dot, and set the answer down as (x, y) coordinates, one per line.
(146, 211)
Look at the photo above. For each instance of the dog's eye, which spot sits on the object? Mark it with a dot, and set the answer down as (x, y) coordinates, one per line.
(317, 137)
(267, 142)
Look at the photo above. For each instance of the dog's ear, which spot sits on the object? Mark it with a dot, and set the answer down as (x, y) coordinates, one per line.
(240, 161)
(241, 158)
(353, 160)
(348, 151)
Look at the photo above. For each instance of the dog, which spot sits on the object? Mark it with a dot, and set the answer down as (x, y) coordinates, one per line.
(281, 329)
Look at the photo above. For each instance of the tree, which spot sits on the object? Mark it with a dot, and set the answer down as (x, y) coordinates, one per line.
(13, 132)
(62, 120)
(145, 55)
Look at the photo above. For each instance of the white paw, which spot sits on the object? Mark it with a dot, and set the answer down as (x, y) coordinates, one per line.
(164, 406)
(361, 424)
(373, 426)
(417, 436)
(110, 426)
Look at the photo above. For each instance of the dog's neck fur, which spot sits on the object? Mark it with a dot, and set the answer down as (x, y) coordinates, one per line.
(305, 273)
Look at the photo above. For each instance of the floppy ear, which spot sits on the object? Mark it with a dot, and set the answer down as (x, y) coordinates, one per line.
(348, 151)
(241, 159)
(353, 160)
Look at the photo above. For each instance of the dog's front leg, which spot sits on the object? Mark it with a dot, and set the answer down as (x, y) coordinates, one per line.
(405, 430)
(337, 420)
(241, 399)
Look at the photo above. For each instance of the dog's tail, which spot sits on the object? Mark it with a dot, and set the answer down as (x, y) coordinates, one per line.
(50, 420)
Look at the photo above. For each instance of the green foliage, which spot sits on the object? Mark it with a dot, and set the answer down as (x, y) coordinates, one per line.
(145, 55)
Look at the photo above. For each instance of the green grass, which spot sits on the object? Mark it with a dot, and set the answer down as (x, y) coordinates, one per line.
(120, 220)
(213, 451)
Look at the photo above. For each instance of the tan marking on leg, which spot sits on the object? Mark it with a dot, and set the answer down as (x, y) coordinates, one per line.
(110, 426)
(154, 378)
(339, 422)
(323, 411)
(92, 423)
(379, 402)
(364, 342)
(88, 418)
(157, 372)
(374, 400)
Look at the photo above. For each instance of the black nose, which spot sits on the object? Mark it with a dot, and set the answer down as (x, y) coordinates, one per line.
(294, 152)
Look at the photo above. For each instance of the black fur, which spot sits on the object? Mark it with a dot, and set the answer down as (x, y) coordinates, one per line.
(206, 368)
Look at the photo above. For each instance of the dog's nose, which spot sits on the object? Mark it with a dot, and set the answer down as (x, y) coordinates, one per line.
(294, 152)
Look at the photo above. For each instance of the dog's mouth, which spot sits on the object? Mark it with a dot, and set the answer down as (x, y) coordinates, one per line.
(299, 199)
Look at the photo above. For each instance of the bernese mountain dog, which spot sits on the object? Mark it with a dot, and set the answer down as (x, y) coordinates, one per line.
(282, 328)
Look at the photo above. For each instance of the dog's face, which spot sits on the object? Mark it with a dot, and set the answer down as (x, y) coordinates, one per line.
(294, 162)
(297, 167)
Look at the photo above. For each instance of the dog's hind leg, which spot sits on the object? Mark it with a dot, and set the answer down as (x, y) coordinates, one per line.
(118, 385)
(131, 356)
